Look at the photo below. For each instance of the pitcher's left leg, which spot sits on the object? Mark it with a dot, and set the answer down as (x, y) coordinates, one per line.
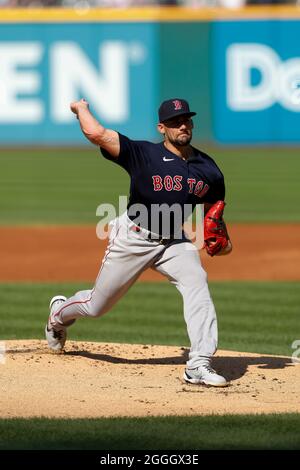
(180, 262)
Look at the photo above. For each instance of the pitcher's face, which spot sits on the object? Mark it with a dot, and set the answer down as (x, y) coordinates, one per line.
(177, 131)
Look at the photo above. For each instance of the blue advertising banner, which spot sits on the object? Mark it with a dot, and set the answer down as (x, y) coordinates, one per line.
(249, 93)
(44, 67)
(256, 81)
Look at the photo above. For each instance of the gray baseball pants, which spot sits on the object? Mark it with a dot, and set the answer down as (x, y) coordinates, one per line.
(127, 255)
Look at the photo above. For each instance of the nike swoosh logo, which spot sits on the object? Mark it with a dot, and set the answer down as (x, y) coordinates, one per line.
(165, 159)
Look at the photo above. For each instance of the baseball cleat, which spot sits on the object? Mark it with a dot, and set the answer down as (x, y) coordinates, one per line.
(204, 374)
(57, 336)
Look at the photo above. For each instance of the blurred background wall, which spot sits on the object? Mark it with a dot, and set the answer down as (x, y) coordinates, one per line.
(239, 68)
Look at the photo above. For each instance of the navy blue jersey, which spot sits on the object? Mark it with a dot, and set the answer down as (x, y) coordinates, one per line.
(158, 176)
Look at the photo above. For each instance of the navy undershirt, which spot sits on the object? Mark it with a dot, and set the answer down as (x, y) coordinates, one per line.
(158, 176)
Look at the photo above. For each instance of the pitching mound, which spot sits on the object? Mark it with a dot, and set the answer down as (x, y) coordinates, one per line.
(105, 380)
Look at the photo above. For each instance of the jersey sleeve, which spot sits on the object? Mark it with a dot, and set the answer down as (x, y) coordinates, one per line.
(217, 191)
(129, 154)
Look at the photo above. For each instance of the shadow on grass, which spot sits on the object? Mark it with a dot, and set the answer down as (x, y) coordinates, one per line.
(232, 368)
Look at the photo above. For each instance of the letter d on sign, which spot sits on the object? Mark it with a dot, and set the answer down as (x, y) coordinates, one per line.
(240, 60)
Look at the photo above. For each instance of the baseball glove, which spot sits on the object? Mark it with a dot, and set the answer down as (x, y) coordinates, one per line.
(215, 233)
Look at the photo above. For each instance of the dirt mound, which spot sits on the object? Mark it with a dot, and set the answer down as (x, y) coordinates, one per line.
(105, 380)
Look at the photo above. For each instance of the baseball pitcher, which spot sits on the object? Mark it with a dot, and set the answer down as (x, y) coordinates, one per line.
(177, 175)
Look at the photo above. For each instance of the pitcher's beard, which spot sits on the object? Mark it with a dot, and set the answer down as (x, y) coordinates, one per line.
(182, 141)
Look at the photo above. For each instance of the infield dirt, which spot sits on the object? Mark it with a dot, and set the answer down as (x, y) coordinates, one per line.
(74, 253)
(107, 380)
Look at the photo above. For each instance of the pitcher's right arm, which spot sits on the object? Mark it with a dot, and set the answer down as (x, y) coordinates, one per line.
(107, 139)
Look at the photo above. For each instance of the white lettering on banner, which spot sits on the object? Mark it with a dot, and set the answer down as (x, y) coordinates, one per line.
(276, 83)
(288, 76)
(74, 75)
(241, 58)
(296, 88)
(15, 82)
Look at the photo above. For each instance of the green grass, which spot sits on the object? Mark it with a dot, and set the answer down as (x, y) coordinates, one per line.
(262, 184)
(66, 185)
(191, 433)
(57, 185)
(253, 316)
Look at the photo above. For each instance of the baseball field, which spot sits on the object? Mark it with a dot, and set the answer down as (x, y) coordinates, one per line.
(119, 386)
